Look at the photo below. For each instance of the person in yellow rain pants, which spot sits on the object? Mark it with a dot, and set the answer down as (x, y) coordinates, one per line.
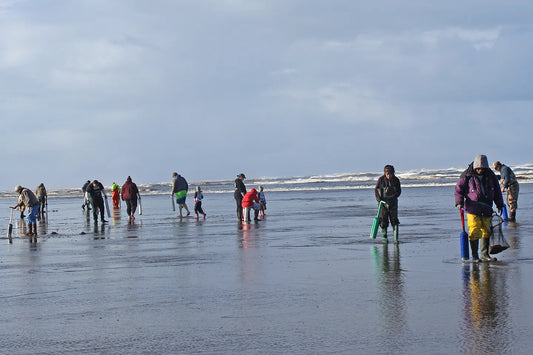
(476, 191)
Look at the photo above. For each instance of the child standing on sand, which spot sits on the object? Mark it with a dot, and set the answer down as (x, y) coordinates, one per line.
(262, 201)
(198, 197)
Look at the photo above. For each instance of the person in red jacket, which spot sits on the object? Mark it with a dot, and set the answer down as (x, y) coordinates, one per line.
(130, 194)
(251, 200)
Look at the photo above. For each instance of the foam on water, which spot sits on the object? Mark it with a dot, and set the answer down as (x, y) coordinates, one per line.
(365, 180)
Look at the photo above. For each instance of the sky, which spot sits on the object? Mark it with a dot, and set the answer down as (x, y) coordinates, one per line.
(103, 89)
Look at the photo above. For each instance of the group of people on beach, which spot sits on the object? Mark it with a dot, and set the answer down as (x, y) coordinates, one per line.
(94, 195)
(247, 201)
(476, 191)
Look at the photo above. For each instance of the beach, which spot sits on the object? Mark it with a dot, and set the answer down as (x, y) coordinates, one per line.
(305, 280)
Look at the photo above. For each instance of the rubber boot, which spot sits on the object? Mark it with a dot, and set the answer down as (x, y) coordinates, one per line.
(30, 230)
(395, 233)
(473, 246)
(247, 214)
(34, 229)
(485, 250)
(512, 217)
(384, 237)
(256, 215)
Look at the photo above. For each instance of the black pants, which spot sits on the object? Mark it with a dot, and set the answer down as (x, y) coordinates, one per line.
(238, 200)
(198, 207)
(98, 206)
(131, 206)
(388, 213)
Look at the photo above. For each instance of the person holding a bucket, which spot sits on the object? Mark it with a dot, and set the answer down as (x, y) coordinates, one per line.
(387, 191)
(477, 189)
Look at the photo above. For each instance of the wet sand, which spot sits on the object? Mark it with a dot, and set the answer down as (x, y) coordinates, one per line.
(305, 280)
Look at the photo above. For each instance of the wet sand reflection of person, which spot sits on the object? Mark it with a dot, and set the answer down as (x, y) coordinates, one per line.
(249, 250)
(391, 298)
(487, 327)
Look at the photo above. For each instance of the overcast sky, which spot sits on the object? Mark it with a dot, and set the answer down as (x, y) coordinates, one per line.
(210, 88)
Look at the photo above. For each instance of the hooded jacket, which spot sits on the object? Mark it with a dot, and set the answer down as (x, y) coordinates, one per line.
(27, 198)
(477, 193)
(250, 198)
(130, 190)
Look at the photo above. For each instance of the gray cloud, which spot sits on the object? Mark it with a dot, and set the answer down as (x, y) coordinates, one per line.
(96, 89)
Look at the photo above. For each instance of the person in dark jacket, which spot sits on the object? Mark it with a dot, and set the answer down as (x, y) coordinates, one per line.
(42, 196)
(130, 194)
(179, 189)
(476, 191)
(95, 190)
(85, 199)
(388, 189)
(240, 191)
(509, 184)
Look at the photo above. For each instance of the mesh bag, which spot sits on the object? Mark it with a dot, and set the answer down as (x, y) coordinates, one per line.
(497, 240)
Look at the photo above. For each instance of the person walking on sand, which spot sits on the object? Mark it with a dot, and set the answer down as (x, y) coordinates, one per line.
(250, 200)
(240, 192)
(179, 189)
(476, 191)
(509, 184)
(115, 195)
(42, 196)
(27, 199)
(198, 197)
(95, 190)
(388, 189)
(85, 198)
(130, 194)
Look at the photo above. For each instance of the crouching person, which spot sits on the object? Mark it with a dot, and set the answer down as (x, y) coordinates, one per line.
(477, 189)
(251, 200)
(27, 199)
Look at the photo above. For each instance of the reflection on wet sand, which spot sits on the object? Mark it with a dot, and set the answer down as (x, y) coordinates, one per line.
(391, 298)
(115, 216)
(487, 327)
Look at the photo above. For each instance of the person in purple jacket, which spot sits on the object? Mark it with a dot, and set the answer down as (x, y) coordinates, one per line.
(477, 189)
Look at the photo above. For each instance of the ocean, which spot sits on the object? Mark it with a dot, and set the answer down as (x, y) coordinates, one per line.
(306, 279)
(412, 178)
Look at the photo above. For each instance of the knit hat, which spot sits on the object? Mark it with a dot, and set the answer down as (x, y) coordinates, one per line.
(481, 161)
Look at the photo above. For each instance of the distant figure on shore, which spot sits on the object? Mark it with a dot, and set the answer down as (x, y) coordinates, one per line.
(130, 194)
(476, 191)
(27, 199)
(85, 198)
(509, 183)
(179, 189)
(262, 201)
(388, 189)
(95, 190)
(42, 196)
(115, 195)
(249, 201)
(198, 197)
(240, 191)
